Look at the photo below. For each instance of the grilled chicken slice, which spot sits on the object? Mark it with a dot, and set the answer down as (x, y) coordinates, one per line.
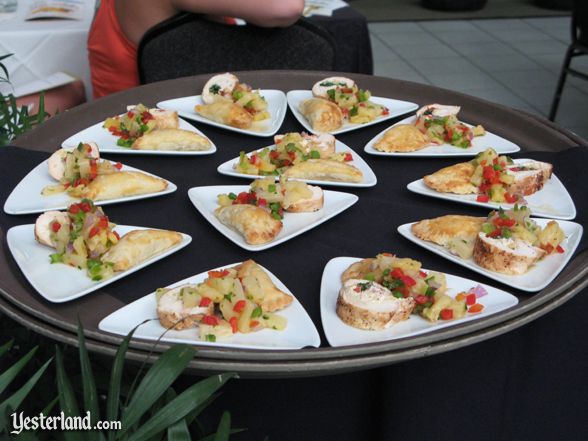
(507, 256)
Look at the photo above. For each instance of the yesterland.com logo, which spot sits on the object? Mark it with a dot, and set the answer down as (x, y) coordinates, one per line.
(58, 422)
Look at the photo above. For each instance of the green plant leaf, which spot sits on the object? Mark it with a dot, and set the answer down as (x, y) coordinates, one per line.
(11, 373)
(179, 431)
(223, 430)
(158, 378)
(180, 406)
(14, 401)
(88, 383)
(67, 399)
(113, 400)
(6, 347)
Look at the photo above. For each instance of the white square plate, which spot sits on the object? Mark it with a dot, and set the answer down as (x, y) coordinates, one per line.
(26, 197)
(205, 201)
(299, 333)
(396, 108)
(479, 144)
(58, 282)
(107, 142)
(276, 100)
(538, 277)
(339, 333)
(369, 178)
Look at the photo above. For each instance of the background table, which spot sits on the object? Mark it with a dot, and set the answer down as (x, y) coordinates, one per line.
(503, 388)
(46, 46)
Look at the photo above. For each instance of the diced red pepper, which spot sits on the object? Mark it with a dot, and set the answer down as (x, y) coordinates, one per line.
(93, 169)
(239, 306)
(408, 281)
(422, 274)
(117, 165)
(262, 202)
(55, 226)
(94, 231)
(500, 222)
(348, 157)
(421, 300)
(511, 199)
(385, 111)
(559, 249)
(218, 274)
(116, 235)
(446, 314)
(253, 159)
(253, 323)
(482, 198)
(103, 222)
(74, 208)
(85, 207)
(130, 114)
(495, 233)
(274, 155)
(204, 301)
(397, 273)
(146, 116)
(470, 299)
(210, 320)
(476, 308)
(233, 323)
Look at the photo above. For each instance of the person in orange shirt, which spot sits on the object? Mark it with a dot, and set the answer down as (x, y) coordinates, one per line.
(119, 26)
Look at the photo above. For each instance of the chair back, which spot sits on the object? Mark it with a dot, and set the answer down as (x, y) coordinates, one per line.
(580, 22)
(187, 44)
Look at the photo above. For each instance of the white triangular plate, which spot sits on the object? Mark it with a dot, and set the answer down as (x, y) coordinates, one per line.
(339, 333)
(299, 333)
(538, 277)
(26, 197)
(276, 100)
(552, 201)
(369, 178)
(396, 108)
(479, 144)
(58, 282)
(107, 142)
(205, 201)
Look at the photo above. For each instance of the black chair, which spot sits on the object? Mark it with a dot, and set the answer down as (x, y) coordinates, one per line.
(578, 47)
(187, 44)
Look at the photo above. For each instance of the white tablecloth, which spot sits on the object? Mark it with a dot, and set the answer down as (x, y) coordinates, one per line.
(43, 47)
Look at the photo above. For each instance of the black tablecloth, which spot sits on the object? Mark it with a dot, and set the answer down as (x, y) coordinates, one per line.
(527, 384)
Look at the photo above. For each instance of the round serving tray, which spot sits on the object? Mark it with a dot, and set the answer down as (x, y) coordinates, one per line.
(59, 321)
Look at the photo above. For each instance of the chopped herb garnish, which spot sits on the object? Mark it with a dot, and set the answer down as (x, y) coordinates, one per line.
(210, 337)
(256, 312)
(214, 89)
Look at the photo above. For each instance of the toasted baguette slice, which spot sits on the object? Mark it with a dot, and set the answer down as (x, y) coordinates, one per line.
(530, 176)
(313, 203)
(371, 306)
(506, 256)
(43, 226)
(173, 313)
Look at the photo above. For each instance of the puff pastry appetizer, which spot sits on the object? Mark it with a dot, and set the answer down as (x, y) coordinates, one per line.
(139, 245)
(240, 299)
(508, 242)
(402, 138)
(378, 292)
(323, 115)
(83, 175)
(172, 139)
(84, 237)
(494, 178)
(293, 149)
(353, 102)
(228, 101)
(255, 224)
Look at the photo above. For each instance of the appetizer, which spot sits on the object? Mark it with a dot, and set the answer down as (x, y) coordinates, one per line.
(258, 213)
(507, 242)
(241, 299)
(382, 291)
(82, 174)
(227, 101)
(337, 100)
(494, 178)
(302, 156)
(83, 237)
(435, 124)
(141, 128)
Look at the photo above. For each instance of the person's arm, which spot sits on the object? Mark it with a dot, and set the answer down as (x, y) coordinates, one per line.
(266, 13)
